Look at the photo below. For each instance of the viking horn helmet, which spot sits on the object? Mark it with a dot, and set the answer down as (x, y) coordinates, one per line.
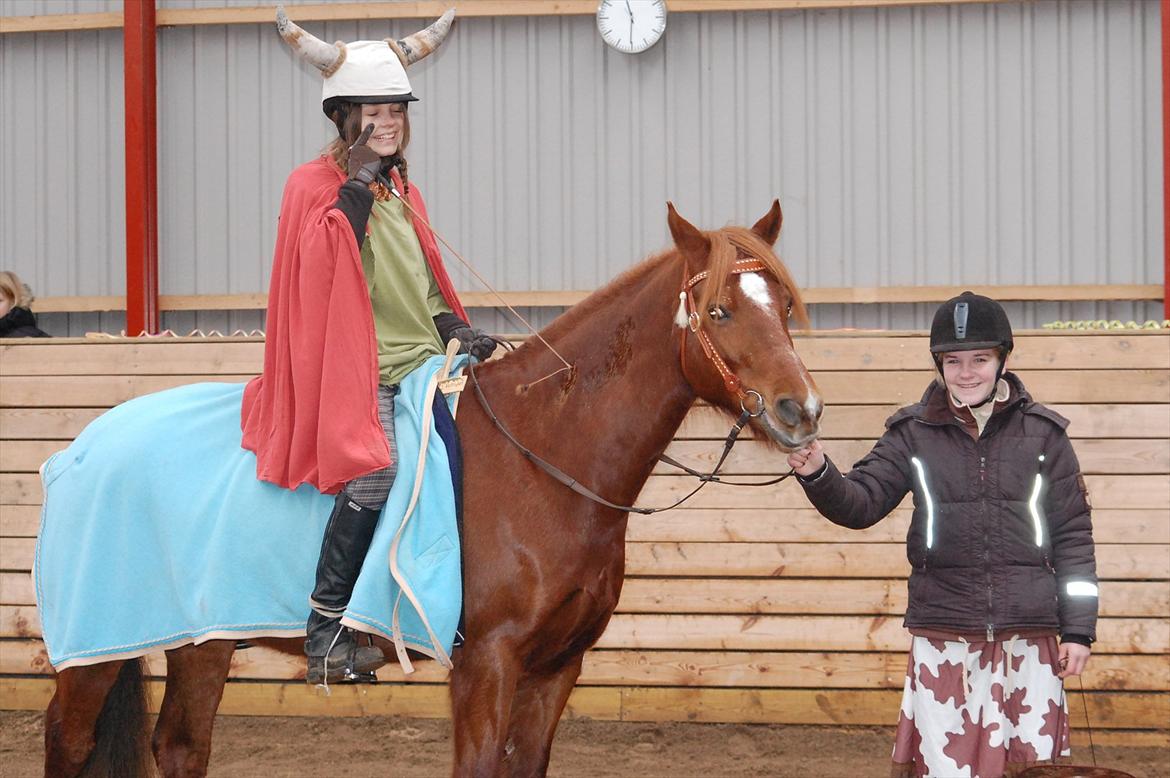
(364, 71)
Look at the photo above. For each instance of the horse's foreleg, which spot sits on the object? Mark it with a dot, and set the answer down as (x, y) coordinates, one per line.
(482, 685)
(540, 700)
(195, 680)
(72, 715)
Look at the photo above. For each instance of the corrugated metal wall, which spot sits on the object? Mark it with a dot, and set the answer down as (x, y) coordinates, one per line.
(999, 144)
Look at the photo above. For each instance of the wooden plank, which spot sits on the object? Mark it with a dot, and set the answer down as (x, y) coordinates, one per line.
(1064, 351)
(19, 521)
(27, 456)
(16, 588)
(749, 458)
(60, 22)
(766, 706)
(94, 391)
(824, 353)
(211, 357)
(881, 388)
(1107, 710)
(1105, 491)
(299, 699)
(886, 596)
(756, 458)
(793, 596)
(783, 525)
(868, 421)
(45, 423)
(755, 632)
(845, 560)
(824, 633)
(845, 295)
(805, 525)
(757, 669)
(1048, 386)
(1006, 293)
(775, 560)
(861, 596)
(703, 422)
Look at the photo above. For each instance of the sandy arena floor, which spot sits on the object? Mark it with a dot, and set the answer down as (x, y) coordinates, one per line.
(264, 747)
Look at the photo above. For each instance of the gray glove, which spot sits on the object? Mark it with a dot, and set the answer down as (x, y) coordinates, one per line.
(364, 162)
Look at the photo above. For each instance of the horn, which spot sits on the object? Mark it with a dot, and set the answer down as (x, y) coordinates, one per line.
(414, 47)
(310, 48)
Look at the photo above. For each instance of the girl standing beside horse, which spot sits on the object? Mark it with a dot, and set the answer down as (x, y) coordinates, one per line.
(359, 299)
(1001, 547)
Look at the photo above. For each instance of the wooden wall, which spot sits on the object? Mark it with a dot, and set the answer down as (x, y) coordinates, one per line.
(745, 606)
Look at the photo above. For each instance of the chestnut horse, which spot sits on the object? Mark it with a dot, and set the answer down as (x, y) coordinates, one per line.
(543, 565)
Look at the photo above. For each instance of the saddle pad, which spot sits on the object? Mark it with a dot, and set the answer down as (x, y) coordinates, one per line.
(155, 533)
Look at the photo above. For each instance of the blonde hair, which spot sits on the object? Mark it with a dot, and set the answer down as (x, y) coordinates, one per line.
(15, 290)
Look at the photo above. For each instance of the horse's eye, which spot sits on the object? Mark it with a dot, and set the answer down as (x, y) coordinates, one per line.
(789, 312)
(718, 312)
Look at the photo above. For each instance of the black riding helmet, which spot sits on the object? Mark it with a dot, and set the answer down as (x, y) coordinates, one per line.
(971, 322)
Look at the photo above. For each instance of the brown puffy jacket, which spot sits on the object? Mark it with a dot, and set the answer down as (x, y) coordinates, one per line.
(1001, 537)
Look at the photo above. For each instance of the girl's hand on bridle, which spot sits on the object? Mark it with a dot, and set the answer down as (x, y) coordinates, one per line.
(809, 460)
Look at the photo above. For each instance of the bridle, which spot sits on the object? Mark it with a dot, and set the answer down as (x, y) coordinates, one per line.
(694, 320)
(730, 380)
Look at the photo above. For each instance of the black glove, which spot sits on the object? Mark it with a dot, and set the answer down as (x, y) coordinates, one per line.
(364, 162)
(475, 342)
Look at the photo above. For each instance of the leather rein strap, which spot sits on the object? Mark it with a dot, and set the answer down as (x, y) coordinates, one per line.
(730, 381)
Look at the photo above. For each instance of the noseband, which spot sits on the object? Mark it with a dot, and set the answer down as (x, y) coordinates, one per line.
(687, 299)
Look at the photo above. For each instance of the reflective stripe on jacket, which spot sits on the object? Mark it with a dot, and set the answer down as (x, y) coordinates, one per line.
(1001, 536)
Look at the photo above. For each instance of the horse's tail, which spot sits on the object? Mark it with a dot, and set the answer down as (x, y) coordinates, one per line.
(121, 740)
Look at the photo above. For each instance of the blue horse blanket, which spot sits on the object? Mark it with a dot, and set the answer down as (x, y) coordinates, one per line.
(156, 533)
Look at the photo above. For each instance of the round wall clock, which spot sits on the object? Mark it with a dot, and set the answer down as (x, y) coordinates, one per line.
(631, 26)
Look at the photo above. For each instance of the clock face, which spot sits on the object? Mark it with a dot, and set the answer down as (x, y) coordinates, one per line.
(631, 26)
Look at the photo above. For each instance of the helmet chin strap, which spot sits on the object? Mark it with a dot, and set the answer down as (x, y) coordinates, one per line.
(994, 384)
(989, 397)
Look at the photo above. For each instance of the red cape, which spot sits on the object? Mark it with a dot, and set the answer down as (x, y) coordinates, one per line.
(312, 416)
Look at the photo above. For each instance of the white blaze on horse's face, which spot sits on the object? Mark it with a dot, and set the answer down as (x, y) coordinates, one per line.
(755, 288)
(792, 408)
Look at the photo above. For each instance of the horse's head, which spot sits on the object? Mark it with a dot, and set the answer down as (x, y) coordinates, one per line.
(736, 302)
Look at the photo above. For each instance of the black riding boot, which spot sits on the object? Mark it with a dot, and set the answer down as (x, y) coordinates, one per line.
(333, 653)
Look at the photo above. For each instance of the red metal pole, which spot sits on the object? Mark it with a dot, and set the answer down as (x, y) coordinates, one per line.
(138, 42)
(1166, 158)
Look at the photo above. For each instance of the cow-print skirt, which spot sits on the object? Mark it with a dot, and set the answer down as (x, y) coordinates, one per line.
(969, 712)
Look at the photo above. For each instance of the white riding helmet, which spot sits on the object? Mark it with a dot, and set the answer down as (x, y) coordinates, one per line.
(364, 71)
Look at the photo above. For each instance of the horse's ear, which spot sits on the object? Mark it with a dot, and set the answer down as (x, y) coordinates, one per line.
(768, 227)
(689, 239)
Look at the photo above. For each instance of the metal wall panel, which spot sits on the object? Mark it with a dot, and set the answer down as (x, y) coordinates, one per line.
(1000, 144)
(62, 204)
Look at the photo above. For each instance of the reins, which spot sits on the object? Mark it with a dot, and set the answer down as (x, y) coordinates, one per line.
(730, 380)
(567, 480)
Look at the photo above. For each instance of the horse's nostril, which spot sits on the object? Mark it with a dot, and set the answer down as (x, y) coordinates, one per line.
(789, 412)
(818, 409)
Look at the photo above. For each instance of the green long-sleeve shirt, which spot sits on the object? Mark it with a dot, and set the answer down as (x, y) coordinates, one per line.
(403, 293)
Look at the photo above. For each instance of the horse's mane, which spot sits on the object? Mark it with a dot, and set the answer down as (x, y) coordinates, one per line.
(727, 245)
(732, 243)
